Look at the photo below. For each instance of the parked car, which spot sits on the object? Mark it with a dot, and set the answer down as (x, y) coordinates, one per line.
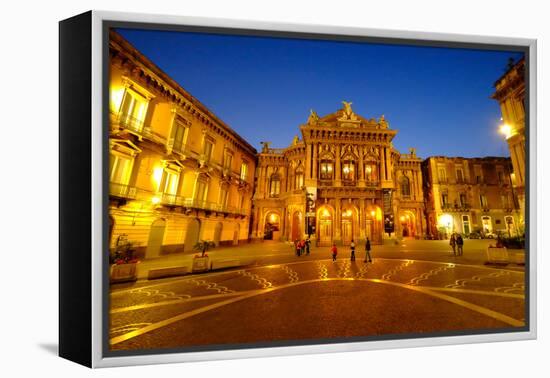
(475, 235)
(490, 235)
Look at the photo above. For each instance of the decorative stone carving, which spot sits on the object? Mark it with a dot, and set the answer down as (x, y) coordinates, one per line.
(313, 118)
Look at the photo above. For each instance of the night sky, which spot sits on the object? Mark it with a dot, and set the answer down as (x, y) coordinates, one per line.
(437, 98)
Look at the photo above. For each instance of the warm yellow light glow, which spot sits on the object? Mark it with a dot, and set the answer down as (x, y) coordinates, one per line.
(446, 220)
(372, 213)
(368, 169)
(402, 218)
(506, 130)
(325, 213)
(155, 200)
(346, 170)
(273, 218)
(157, 176)
(117, 93)
(378, 214)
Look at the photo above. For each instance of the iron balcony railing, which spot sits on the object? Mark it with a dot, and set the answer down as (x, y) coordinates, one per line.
(130, 122)
(122, 191)
(175, 200)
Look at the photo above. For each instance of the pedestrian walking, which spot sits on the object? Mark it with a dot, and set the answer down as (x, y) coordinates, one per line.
(352, 246)
(302, 246)
(367, 251)
(308, 245)
(459, 245)
(297, 246)
(334, 252)
(452, 243)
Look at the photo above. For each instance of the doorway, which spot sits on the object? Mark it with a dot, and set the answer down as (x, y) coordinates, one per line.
(192, 235)
(156, 236)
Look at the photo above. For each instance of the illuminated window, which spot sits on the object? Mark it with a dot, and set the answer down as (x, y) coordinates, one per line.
(121, 168)
(444, 200)
(299, 177)
(171, 180)
(348, 170)
(179, 133)
(370, 172)
(326, 169)
(275, 186)
(244, 171)
(405, 186)
(133, 110)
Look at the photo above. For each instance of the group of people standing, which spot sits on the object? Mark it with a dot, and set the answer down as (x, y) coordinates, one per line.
(368, 258)
(457, 244)
(302, 246)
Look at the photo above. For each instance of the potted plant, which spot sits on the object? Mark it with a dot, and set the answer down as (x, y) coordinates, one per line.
(201, 263)
(123, 262)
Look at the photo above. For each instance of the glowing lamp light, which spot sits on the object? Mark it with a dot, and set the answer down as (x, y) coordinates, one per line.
(346, 170)
(372, 213)
(446, 220)
(325, 213)
(368, 169)
(155, 200)
(157, 176)
(116, 98)
(506, 130)
(273, 218)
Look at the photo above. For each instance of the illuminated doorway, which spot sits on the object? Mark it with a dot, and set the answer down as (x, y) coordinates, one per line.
(408, 224)
(272, 227)
(486, 224)
(348, 225)
(325, 226)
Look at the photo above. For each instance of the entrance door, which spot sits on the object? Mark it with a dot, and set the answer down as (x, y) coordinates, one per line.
(156, 236)
(466, 224)
(325, 231)
(487, 225)
(192, 235)
(218, 233)
(346, 231)
(296, 229)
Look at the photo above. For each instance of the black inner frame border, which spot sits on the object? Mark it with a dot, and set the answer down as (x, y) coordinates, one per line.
(108, 24)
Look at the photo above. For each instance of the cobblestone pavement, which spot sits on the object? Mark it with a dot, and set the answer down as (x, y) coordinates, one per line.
(312, 299)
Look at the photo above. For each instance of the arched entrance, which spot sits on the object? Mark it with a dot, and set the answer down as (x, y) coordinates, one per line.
(373, 224)
(324, 225)
(407, 220)
(445, 225)
(218, 233)
(296, 228)
(349, 225)
(486, 224)
(156, 237)
(272, 226)
(236, 234)
(192, 235)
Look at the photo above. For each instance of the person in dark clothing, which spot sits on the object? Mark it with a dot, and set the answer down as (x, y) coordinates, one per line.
(308, 245)
(352, 246)
(367, 251)
(297, 245)
(459, 245)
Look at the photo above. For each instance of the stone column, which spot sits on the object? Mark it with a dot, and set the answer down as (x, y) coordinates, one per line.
(361, 175)
(337, 221)
(308, 162)
(337, 167)
(362, 219)
(382, 164)
(314, 161)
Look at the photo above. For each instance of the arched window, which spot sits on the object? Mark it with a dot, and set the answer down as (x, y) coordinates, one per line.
(274, 185)
(371, 173)
(348, 170)
(299, 177)
(405, 186)
(326, 167)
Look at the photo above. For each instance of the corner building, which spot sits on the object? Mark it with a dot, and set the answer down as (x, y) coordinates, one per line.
(467, 195)
(178, 174)
(342, 180)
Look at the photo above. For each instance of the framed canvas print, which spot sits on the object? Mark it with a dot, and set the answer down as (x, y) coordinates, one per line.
(233, 189)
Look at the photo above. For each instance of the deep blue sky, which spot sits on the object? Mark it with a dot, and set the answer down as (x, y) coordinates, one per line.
(438, 98)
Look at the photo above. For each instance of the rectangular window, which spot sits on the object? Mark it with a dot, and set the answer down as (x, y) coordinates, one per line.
(171, 183)
(444, 200)
(459, 176)
(370, 173)
(244, 171)
(200, 193)
(227, 160)
(442, 175)
(180, 136)
(132, 110)
(348, 171)
(483, 201)
(224, 194)
(207, 151)
(326, 171)
(120, 169)
(463, 200)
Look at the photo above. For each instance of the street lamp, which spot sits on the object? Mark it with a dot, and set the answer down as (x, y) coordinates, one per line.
(506, 130)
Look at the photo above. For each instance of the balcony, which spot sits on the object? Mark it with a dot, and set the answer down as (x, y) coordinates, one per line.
(458, 207)
(131, 123)
(122, 191)
(172, 200)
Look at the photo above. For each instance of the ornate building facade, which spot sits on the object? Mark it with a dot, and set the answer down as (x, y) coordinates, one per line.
(510, 93)
(177, 173)
(342, 180)
(466, 195)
